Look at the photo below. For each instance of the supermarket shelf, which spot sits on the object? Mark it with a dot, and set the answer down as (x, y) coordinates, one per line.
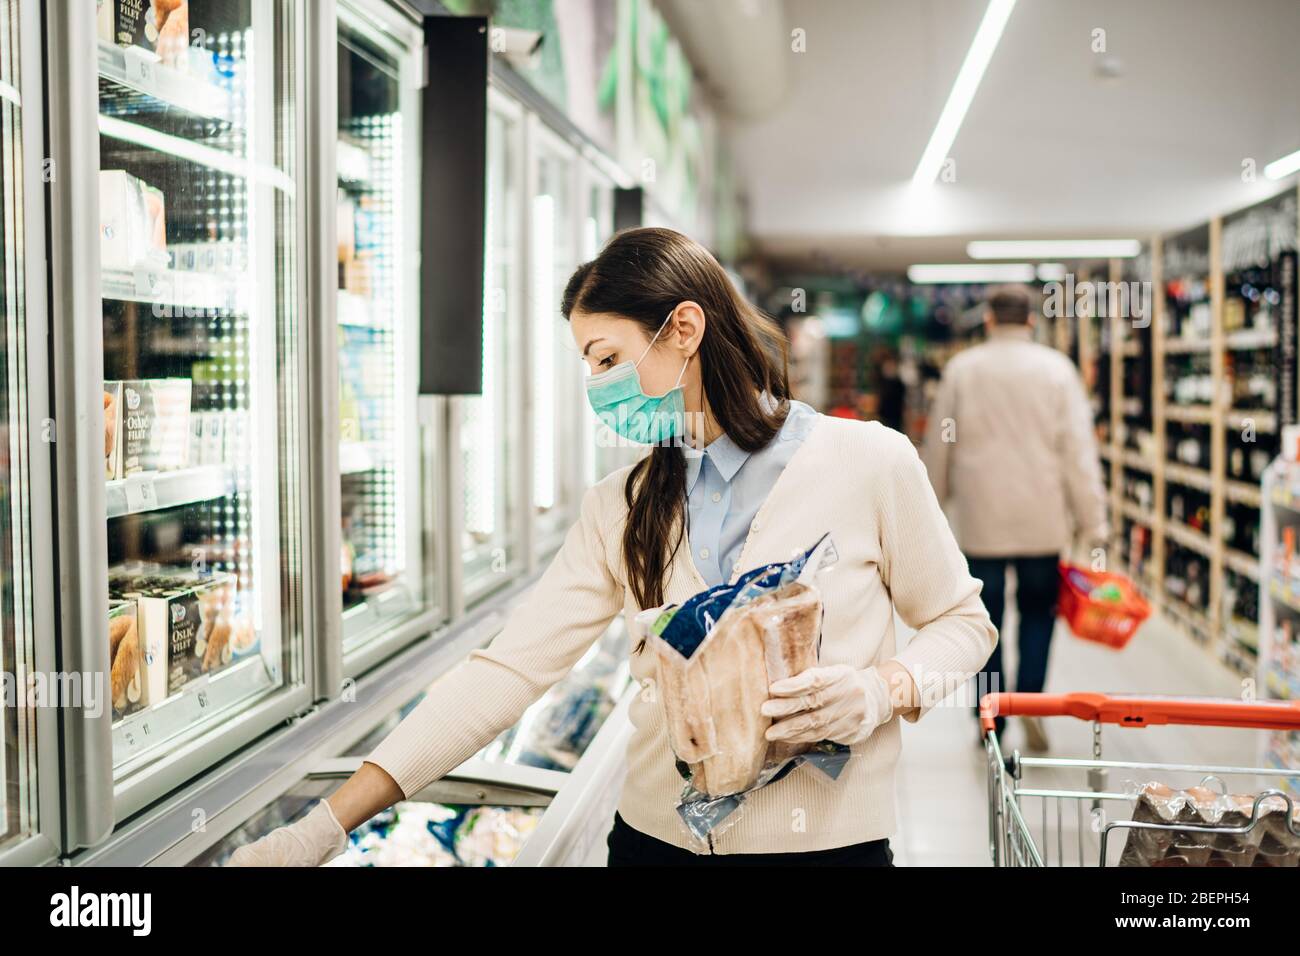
(357, 312)
(360, 618)
(1284, 593)
(1242, 563)
(166, 88)
(1261, 419)
(1135, 514)
(155, 490)
(1242, 492)
(1188, 475)
(139, 733)
(169, 288)
(1281, 684)
(353, 162)
(1189, 538)
(1135, 460)
(1244, 632)
(1184, 346)
(1190, 617)
(356, 457)
(1195, 414)
(1288, 497)
(1244, 339)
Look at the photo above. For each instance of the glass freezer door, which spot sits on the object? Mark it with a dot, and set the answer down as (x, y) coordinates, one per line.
(489, 422)
(20, 817)
(558, 395)
(199, 280)
(385, 574)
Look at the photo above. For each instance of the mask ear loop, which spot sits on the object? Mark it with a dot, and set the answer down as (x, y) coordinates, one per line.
(682, 373)
(656, 336)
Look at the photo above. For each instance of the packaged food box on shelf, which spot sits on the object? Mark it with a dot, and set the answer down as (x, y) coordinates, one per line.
(209, 442)
(132, 221)
(162, 27)
(190, 625)
(112, 430)
(127, 660)
(214, 257)
(155, 425)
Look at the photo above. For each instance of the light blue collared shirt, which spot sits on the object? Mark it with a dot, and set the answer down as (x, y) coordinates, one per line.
(725, 487)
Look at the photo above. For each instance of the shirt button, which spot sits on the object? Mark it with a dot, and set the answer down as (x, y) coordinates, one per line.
(717, 496)
(704, 553)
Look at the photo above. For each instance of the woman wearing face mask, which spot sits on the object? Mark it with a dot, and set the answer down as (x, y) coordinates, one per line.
(739, 475)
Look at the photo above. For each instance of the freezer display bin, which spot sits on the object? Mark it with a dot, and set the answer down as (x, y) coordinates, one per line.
(200, 323)
(542, 794)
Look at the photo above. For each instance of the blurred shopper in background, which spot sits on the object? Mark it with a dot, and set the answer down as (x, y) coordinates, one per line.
(892, 392)
(1010, 444)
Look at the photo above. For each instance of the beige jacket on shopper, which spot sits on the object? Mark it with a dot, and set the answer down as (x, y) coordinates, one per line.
(1010, 444)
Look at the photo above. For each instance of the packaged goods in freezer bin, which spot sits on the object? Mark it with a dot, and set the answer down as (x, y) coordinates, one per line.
(161, 27)
(132, 222)
(493, 836)
(112, 430)
(155, 425)
(1215, 814)
(434, 834)
(717, 655)
(126, 658)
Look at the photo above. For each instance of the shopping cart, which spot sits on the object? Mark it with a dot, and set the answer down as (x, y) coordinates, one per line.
(1012, 802)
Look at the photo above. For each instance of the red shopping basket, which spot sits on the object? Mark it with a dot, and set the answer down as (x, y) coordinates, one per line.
(1110, 617)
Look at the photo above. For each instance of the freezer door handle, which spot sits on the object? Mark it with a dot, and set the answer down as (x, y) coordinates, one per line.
(476, 782)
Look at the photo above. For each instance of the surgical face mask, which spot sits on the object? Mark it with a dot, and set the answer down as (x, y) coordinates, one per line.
(619, 401)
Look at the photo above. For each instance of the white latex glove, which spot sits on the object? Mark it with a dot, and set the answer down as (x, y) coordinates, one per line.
(838, 703)
(315, 839)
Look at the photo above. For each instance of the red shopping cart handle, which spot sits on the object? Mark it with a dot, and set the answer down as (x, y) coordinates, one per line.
(1144, 711)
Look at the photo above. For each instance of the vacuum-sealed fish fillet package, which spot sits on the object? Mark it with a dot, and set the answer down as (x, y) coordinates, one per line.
(717, 654)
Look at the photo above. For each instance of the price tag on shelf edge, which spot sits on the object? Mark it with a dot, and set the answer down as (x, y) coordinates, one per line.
(140, 67)
(141, 494)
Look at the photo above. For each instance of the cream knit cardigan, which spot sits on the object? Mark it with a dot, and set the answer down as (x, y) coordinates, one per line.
(860, 481)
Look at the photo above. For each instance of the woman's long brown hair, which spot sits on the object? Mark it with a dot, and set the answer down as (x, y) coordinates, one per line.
(643, 274)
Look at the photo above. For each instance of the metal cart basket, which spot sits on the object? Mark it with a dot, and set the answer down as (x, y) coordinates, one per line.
(1037, 826)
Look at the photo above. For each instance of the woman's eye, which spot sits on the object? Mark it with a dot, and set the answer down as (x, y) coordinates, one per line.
(606, 362)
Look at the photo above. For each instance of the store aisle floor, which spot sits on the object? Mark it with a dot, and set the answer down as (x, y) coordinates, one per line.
(942, 788)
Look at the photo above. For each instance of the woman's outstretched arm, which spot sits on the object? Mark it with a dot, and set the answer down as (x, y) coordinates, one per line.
(469, 706)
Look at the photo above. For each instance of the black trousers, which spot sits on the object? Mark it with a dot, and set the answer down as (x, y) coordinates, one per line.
(1036, 589)
(631, 847)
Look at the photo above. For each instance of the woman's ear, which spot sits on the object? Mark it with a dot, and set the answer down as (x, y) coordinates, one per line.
(688, 327)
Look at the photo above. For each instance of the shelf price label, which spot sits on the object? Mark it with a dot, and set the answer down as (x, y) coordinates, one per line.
(140, 67)
(141, 495)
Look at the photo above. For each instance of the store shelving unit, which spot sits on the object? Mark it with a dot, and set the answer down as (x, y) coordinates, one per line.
(1279, 605)
(1193, 418)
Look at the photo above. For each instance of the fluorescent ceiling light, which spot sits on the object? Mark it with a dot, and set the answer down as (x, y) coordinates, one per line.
(963, 90)
(1051, 271)
(1054, 249)
(971, 272)
(1284, 167)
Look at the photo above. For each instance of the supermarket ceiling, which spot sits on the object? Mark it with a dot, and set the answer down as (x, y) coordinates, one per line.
(1059, 141)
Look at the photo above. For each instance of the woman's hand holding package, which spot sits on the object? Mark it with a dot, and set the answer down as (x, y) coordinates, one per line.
(837, 703)
(315, 839)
